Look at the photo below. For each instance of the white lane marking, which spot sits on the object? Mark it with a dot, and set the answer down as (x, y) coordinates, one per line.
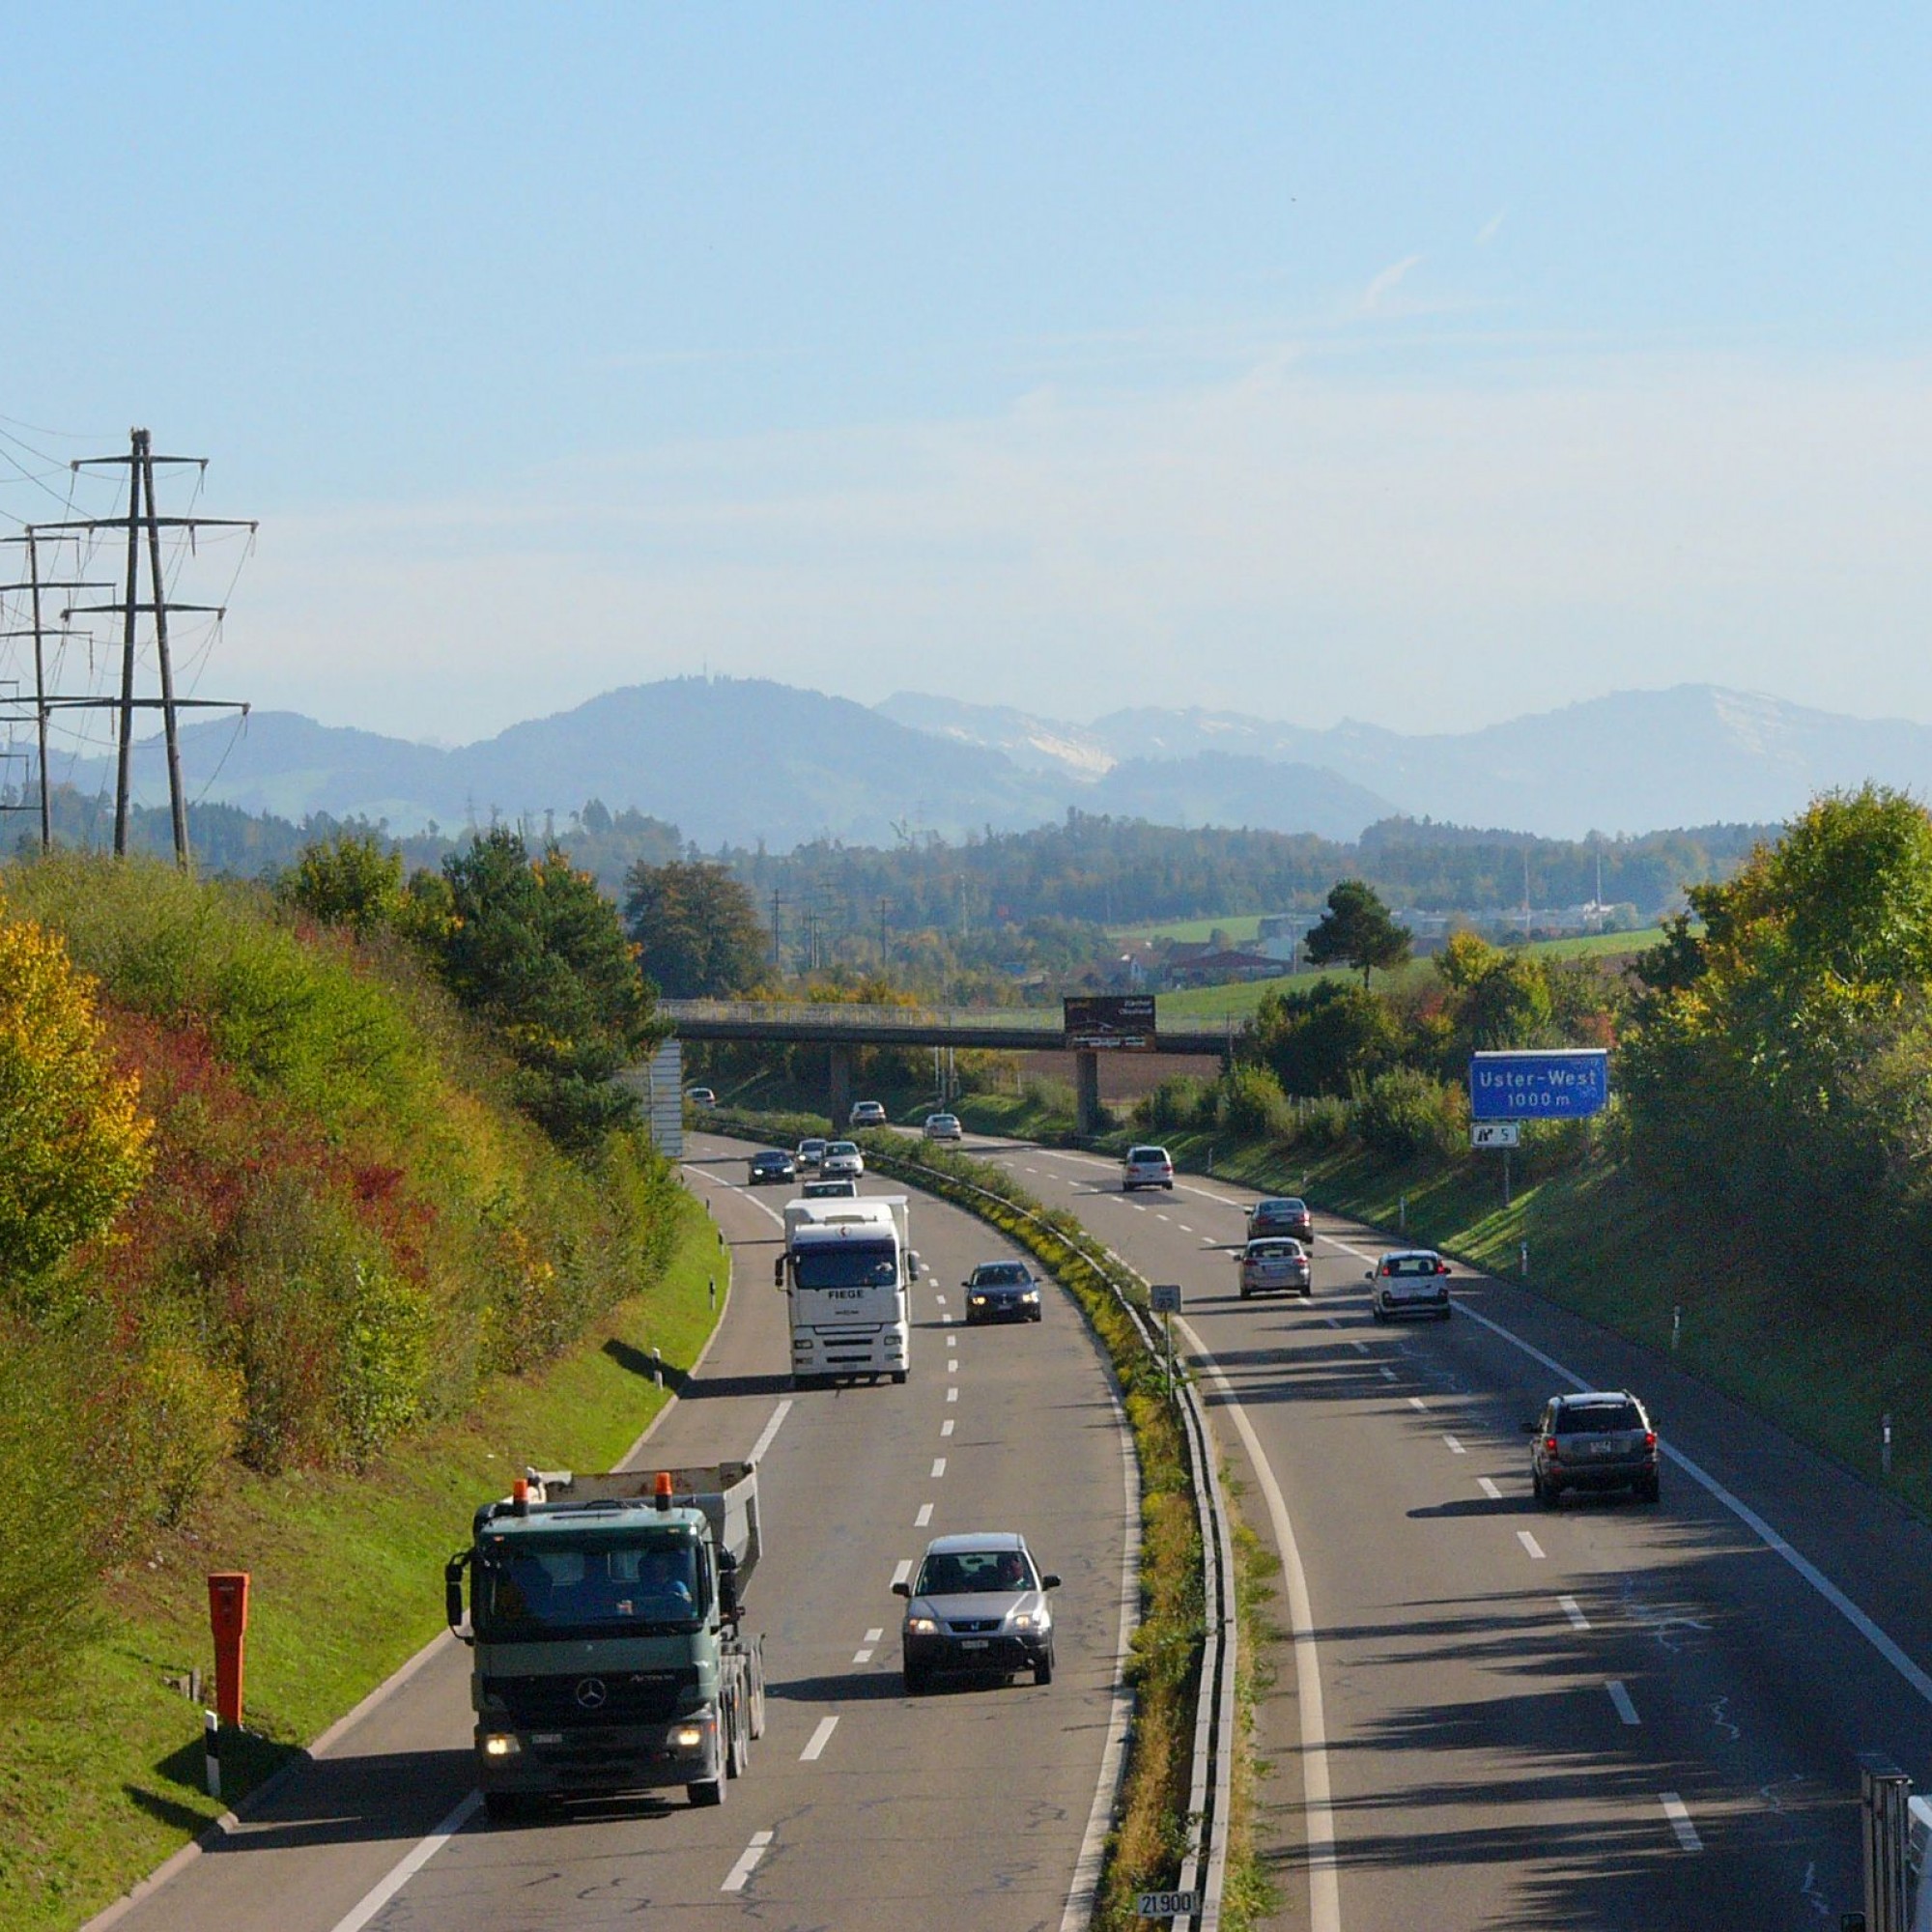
(399, 1875)
(1363, 1347)
(946, 1428)
(952, 1341)
(1388, 1374)
(946, 1321)
(901, 1570)
(748, 1861)
(941, 1299)
(1454, 1447)
(924, 1516)
(751, 1199)
(771, 1428)
(1530, 1544)
(1572, 1610)
(1620, 1698)
(1680, 1820)
(938, 1467)
(864, 1656)
(1325, 1897)
(1184, 1227)
(819, 1739)
(1919, 1680)
(873, 1635)
(952, 1395)
(1332, 1321)
(951, 1368)
(1030, 1170)
(1488, 1488)
(1415, 1401)
(1158, 1216)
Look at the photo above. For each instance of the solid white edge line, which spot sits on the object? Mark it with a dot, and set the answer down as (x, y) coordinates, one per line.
(819, 1739)
(770, 1430)
(1325, 1898)
(1085, 1888)
(1918, 1678)
(406, 1868)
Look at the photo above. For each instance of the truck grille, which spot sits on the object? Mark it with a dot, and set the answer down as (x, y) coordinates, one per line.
(592, 1697)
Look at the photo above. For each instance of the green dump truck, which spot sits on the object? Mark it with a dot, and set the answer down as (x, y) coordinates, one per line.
(604, 1623)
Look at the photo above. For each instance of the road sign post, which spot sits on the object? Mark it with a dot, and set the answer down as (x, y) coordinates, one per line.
(1164, 1298)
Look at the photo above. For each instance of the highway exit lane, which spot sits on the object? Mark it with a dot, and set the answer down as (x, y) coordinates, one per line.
(1605, 1715)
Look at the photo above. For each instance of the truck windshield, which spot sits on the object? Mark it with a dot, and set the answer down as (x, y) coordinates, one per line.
(528, 1591)
(847, 1264)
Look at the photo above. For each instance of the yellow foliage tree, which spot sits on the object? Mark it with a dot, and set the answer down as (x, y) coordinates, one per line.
(73, 1143)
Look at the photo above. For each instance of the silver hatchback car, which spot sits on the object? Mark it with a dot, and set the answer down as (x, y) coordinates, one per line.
(1409, 1281)
(977, 1606)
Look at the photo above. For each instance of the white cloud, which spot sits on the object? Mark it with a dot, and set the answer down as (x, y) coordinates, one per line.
(1386, 284)
(1490, 230)
(1430, 545)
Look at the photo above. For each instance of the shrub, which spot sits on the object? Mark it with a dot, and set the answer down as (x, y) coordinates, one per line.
(1316, 1124)
(1249, 1101)
(1404, 1113)
(1174, 1103)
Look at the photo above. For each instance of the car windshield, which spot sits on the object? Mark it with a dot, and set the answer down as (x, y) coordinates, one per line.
(847, 1264)
(1147, 1155)
(965, 1573)
(843, 1147)
(1596, 1418)
(1001, 1275)
(1411, 1265)
(528, 1592)
(1275, 1251)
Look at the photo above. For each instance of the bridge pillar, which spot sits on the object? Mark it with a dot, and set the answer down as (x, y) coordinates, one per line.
(842, 1086)
(1085, 1090)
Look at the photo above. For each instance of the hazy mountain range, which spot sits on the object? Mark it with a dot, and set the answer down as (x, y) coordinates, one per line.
(748, 759)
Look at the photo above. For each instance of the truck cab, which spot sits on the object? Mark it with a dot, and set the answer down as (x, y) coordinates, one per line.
(848, 1272)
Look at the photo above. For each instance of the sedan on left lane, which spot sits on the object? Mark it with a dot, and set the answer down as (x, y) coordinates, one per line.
(772, 1166)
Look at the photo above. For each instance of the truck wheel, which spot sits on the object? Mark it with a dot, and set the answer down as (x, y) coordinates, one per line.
(899, 1375)
(710, 1792)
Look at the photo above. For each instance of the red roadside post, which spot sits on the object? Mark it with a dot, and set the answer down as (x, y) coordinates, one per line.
(228, 1618)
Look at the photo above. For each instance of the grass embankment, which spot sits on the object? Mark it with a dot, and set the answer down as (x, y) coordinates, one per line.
(101, 1780)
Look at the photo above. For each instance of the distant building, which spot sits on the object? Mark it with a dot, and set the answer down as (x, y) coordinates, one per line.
(1222, 969)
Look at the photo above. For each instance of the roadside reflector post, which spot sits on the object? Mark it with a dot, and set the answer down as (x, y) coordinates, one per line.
(1523, 1257)
(1676, 1325)
(1885, 1796)
(211, 1753)
(228, 1619)
(1885, 1443)
(714, 1293)
(657, 1367)
(1402, 1214)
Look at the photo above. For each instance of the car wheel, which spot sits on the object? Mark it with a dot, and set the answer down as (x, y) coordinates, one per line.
(1536, 1485)
(918, 1680)
(1553, 1495)
(1379, 1315)
(1443, 1313)
(1308, 1292)
(1168, 1185)
(1650, 1491)
(1042, 1670)
(1246, 1294)
(1034, 1316)
(503, 1808)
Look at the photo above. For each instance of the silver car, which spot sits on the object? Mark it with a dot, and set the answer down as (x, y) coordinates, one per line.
(977, 1606)
(1277, 1265)
(843, 1158)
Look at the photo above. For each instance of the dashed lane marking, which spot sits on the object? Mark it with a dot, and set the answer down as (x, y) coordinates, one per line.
(1680, 1820)
(1620, 1698)
(945, 1427)
(951, 1368)
(1488, 1488)
(924, 1516)
(938, 1467)
(1530, 1544)
(864, 1656)
(1360, 1346)
(748, 1859)
(1388, 1374)
(1574, 1611)
(952, 1395)
(1415, 1401)
(818, 1740)
(902, 1570)
(1454, 1447)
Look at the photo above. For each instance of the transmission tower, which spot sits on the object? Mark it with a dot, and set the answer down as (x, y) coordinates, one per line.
(141, 461)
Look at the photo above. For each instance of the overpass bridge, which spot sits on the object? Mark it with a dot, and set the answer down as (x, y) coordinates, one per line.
(840, 1026)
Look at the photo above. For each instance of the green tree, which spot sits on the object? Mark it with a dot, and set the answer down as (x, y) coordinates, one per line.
(534, 947)
(1326, 1039)
(696, 929)
(352, 879)
(1357, 930)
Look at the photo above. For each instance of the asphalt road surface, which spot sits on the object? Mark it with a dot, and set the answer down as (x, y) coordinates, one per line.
(1491, 1715)
(863, 1807)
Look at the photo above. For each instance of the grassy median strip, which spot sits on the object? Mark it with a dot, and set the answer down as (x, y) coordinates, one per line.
(102, 1780)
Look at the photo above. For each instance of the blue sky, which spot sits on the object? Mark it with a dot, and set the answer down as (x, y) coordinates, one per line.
(1426, 365)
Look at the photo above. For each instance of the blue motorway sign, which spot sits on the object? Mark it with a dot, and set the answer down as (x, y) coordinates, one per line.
(1562, 1084)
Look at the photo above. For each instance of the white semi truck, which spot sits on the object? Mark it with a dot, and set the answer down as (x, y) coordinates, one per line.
(604, 1627)
(848, 1269)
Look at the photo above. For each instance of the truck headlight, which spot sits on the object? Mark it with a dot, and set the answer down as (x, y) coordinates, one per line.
(688, 1737)
(499, 1744)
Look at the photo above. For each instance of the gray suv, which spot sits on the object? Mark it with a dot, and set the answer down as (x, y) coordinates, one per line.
(1601, 1439)
(977, 1606)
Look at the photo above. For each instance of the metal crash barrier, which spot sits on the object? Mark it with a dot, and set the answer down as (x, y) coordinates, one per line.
(1896, 1833)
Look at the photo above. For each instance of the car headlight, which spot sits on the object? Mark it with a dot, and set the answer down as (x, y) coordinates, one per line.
(1031, 1294)
(1029, 1619)
(500, 1743)
(921, 1626)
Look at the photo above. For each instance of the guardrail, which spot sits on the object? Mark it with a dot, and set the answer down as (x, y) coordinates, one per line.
(834, 1014)
(1204, 1870)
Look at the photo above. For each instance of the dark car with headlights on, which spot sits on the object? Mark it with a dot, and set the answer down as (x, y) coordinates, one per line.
(770, 1166)
(1282, 1214)
(1001, 1292)
(1598, 1439)
(977, 1606)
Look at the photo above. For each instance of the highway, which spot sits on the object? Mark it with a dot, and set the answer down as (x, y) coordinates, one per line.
(979, 1806)
(1489, 1715)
